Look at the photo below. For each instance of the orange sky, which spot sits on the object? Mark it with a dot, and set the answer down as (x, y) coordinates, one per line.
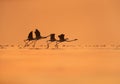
(91, 21)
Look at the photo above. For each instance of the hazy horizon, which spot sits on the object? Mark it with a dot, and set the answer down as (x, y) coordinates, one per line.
(90, 21)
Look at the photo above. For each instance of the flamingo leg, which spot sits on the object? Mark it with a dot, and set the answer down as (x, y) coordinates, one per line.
(34, 43)
(30, 43)
(26, 43)
(48, 42)
(56, 45)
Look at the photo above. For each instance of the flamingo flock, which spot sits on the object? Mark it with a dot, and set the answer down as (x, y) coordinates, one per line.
(30, 40)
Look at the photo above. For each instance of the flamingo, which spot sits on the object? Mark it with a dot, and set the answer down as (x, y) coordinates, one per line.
(31, 39)
(62, 39)
(52, 39)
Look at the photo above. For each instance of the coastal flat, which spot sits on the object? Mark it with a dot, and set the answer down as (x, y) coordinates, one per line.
(59, 66)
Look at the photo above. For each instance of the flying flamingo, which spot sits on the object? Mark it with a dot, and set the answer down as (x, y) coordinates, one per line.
(52, 39)
(31, 39)
(62, 39)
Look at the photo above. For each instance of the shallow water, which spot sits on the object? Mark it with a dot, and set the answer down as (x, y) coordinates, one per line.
(59, 66)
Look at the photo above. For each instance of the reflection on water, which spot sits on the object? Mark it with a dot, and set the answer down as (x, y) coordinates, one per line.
(84, 46)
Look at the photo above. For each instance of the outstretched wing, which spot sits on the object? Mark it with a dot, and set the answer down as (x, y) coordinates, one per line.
(30, 36)
(37, 33)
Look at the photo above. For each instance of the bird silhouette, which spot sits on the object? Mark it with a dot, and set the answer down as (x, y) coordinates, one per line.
(31, 40)
(63, 39)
